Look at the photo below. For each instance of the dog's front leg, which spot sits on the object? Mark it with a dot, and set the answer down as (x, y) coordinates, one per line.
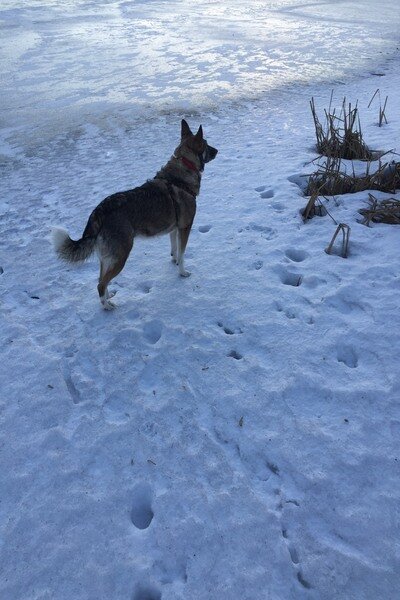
(173, 236)
(183, 236)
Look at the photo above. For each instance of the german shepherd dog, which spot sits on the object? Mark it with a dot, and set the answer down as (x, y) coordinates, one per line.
(165, 204)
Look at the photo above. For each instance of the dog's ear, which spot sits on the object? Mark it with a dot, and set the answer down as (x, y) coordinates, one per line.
(185, 129)
(199, 134)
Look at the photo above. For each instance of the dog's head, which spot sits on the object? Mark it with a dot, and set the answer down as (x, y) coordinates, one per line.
(196, 144)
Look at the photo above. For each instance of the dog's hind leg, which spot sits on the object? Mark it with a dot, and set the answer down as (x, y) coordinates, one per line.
(110, 268)
(183, 236)
(108, 272)
(174, 245)
(113, 247)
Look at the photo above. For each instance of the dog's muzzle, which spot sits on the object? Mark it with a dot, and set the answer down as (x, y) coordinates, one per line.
(209, 154)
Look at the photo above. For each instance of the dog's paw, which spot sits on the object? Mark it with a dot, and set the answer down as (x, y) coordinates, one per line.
(184, 273)
(107, 305)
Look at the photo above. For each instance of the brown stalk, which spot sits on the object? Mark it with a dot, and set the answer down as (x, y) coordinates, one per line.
(345, 229)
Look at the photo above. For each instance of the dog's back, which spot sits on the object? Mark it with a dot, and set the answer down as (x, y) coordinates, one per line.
(150, 209)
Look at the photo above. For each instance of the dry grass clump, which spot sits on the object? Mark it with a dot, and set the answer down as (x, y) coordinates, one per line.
(381, 211)
(341, 135)
(331, 180)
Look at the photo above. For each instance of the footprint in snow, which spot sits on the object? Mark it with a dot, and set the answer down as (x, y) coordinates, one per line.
(303, 582)
(267, 194)
(142, 513)
(133, 314)
(69, 383)
(235, 355)
(260, 467)
(289, 312)
(278, 206)
(145, 287)
(293, 279)
(229, 330)
(152, 331)
(348, 356)
(126, 338)
(266, 232)
(296, 255)
(204, 228)
(294, 557)
(264, 192)
(272, 467)
(293, 554)
(146, 592)
(257, 265)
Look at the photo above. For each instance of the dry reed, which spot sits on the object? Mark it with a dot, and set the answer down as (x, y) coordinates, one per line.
(341, 135)
(381, 211)
(331, 180)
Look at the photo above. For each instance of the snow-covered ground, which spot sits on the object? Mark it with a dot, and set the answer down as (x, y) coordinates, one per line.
(228, 436)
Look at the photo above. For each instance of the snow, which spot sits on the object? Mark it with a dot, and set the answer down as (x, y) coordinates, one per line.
(234, 434)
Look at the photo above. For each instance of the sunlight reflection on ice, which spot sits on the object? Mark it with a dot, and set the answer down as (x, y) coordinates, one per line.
(176, 53)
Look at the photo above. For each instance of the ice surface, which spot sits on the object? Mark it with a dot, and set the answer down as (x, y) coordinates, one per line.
(75, 61)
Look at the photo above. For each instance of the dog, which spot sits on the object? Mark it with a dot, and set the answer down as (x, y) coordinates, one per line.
(164, 204)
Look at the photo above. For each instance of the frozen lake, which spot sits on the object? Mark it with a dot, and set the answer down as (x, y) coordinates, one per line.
(72, 61)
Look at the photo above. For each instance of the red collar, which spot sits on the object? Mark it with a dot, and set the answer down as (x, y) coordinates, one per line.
(188, 163)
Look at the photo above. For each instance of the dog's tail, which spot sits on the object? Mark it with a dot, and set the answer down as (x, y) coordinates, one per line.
(71, 250)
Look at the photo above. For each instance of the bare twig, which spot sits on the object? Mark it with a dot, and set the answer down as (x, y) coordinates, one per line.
(345, 229)
(382, 110)
(382, 115)
(372, 99)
